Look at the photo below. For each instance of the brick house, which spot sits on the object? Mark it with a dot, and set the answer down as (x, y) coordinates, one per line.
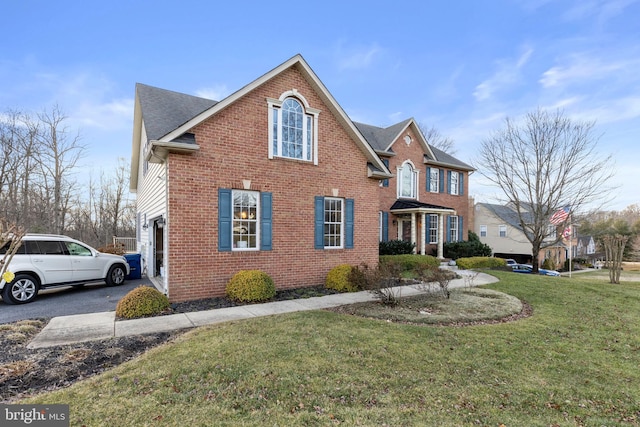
(275, 177)
(426, 202)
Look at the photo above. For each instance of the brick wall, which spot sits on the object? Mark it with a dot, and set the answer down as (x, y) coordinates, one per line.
(388, 195)
(234, 147)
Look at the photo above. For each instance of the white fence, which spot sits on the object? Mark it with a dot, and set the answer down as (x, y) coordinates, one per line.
(129, 243)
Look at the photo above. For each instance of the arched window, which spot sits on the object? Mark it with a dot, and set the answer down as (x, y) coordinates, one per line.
(292, 130)
(407, 181)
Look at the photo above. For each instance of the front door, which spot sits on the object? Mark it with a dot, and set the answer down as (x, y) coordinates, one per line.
(158, 248)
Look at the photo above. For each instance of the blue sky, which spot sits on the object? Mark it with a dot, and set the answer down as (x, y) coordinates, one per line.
(461, 67)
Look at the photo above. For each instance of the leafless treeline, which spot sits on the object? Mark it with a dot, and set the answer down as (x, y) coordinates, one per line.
(42, 190)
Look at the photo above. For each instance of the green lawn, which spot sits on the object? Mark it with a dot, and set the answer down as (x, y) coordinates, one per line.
(575, 362)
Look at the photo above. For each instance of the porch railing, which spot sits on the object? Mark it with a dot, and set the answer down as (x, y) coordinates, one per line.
(129, 243)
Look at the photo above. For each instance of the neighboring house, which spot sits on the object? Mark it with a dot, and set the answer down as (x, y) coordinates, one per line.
(426, 202)
(275, 177)
(498, 226)
(585, 248)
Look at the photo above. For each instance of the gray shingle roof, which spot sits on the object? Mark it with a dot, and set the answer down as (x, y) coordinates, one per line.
(164, 110)
(381, 138)
(507, 214)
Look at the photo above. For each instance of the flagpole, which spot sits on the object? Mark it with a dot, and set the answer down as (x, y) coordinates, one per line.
(570, 248)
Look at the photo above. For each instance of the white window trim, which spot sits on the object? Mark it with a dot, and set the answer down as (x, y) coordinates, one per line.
(308, 111)
(434, 172)
(500, 228)
(483, 229)
(454, 225)
(414, 181)
(342, 222)
(257, 220)
(431, 228)
(455, 178)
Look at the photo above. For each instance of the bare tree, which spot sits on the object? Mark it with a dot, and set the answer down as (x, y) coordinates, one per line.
(437, 140)
(59, 156)
(541, 164)
(614, 248)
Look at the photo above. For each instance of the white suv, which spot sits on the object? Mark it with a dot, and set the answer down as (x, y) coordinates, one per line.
(47, 260)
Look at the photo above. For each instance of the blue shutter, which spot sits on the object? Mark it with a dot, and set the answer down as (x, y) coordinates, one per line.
(448, 182)
(448, 231)
(428, 179)
(461, 182)
(385, 182)
(385, 226)
(348, 224)
(319, 223)
(441, 183)
(460, 229)
(225, 209)
(266, 217)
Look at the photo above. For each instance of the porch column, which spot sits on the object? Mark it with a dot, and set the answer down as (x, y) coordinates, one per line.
(440, 236)
(423, 241)
(413, 230)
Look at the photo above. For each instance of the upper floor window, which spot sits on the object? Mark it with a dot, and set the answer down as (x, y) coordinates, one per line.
(483, 231)
(407, 181)
(456, 183)
(434, 180)
(292, 128)
(502, 230)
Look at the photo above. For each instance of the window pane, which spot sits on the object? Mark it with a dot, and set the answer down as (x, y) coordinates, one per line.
(245, 222)
(333, 223)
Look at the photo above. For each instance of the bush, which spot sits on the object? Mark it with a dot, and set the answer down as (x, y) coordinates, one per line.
(480, 262)
(142, 301)
(251, 286)
(411, 262)
(471, 248)
(383, 281)
(338, 279)
(549, 264)
(395, 247)
(117, 249)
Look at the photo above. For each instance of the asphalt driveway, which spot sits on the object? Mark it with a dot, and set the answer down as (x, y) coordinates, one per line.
(64, 301)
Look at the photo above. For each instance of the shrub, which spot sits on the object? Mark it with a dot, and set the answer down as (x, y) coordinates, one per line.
(338, 279)
(480, 262)
(142, 301)
(471, 248)
(117, 249)
(251, 286)
(383, 281)
(411, 262)
(549, 264)
(395, 247)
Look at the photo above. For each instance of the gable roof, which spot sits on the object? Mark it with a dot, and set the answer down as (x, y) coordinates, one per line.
(382, 140)
(505, 213)
(165, 125)
(164, 110)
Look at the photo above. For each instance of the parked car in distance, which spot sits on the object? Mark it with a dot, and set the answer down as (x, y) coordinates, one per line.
(511, 262)
(49, 260)
(528, 269)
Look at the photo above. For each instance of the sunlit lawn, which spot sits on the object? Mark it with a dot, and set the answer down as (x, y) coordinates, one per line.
(575, 362)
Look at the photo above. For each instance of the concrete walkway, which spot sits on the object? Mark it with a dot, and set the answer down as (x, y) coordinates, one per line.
(97, 326)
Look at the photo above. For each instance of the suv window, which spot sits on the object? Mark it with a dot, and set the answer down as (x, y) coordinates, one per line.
(75, 249)
(48, 247)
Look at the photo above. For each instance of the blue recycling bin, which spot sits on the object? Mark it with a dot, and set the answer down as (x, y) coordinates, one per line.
(135, 272)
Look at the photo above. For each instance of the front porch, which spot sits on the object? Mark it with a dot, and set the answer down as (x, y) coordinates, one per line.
(422, 224)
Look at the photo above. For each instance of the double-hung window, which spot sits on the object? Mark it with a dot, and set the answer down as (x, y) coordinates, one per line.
(407, 181)
(483, 231)
(453, 228)
(434, 180)
(502, 230)
(292, 128)
(433, 229)
(455, 185)
(244, 220)
(334, 221)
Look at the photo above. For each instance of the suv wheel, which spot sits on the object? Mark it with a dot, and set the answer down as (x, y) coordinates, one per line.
(116, 275)
(23, 289)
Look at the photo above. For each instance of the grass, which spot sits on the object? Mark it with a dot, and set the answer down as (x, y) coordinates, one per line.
(573, 363)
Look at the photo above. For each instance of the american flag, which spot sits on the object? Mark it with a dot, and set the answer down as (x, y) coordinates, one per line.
(560, 216)
(567, 233)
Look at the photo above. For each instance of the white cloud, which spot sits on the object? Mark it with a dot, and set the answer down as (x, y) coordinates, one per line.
(115, 114)
(507, 74)
(580, 68)
(353, 59)
(215, 93)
